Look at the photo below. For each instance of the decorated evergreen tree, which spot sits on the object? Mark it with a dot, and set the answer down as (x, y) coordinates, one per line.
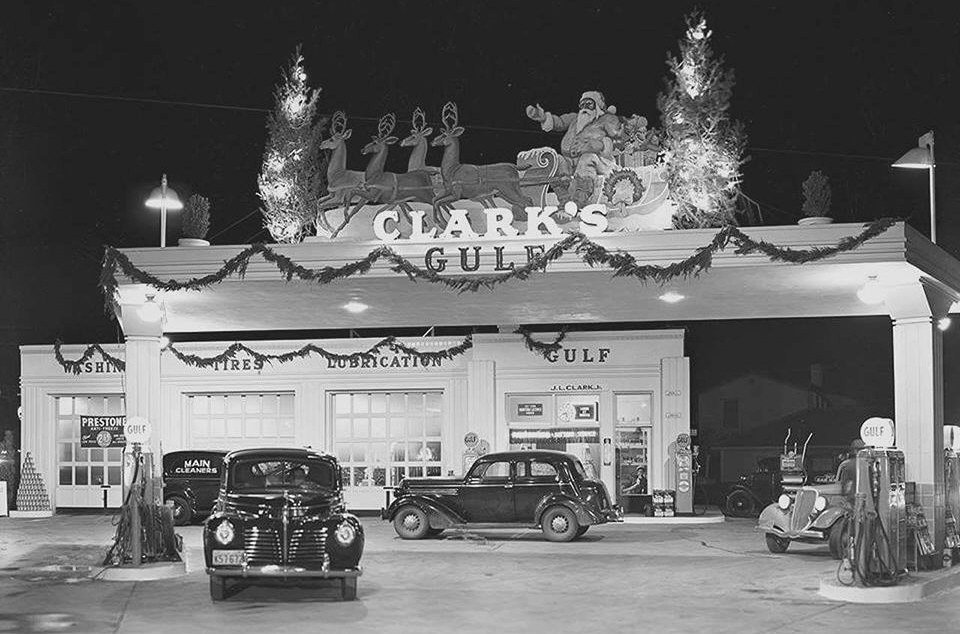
(703, 147)
(293, 173)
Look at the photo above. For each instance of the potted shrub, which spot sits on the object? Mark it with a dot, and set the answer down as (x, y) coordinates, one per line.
(816, 199)
(195, 222)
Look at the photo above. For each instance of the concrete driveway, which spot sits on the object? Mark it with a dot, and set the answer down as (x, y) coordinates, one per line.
(617, 578)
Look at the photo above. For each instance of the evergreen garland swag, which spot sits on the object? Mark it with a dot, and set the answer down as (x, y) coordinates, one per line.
(623, 264)
(541, 348)
(389, 343)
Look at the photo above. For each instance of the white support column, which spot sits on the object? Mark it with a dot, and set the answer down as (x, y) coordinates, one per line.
(675, 418)
(918, 387)
(482, 403)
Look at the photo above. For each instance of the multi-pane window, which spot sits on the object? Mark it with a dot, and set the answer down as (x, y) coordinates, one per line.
(79, 466)
(231, 421)
(382, 437)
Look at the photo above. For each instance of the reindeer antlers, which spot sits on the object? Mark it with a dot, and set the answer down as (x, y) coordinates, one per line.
(339, 123)
(385, 126)
(419, 120)
(449, 115)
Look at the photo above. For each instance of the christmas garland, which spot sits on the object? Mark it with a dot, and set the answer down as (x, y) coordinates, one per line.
(390, 343)
(77, 366)
(543, 349)
(623, 264)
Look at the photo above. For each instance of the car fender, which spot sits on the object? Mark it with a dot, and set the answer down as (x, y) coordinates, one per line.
(440, 515)
(773, 519)
(185, 492)
(829, 517)
(584, 515)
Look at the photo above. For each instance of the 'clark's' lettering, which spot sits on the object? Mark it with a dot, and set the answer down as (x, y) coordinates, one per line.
(581, 355)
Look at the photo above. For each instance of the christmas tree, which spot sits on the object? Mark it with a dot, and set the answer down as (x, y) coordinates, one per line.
(31, 495)
(703, 147)
(293, 174)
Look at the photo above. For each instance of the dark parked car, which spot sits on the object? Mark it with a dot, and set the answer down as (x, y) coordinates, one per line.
(280, 514)
(541, 489)
(191, 481)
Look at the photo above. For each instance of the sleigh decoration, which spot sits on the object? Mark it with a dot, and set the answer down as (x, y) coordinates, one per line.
(635, 193)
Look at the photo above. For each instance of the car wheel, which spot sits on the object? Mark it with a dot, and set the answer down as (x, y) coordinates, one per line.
(411, 523)
(777, 544)
(740, 504)
(839, 538)
(559, 524)
(182, 511)
(582, 531)
(348, 588)
(218, 588)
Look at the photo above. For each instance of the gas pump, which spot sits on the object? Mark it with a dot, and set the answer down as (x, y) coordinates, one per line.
(879, 545)
(951, 479)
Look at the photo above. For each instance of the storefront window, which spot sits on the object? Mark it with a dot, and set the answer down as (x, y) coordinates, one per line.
(562, 422)
(382, 437)
(233, 421)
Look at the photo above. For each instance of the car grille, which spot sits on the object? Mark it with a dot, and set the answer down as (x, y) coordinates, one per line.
(803, 508)
(306, 547)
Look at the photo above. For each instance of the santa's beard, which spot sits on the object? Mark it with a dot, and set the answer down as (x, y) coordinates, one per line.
(584, 118)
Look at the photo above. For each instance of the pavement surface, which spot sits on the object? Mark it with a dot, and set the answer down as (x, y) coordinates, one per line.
(617, 578)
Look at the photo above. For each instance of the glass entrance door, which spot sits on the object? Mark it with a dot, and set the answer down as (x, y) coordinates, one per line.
(632, 447)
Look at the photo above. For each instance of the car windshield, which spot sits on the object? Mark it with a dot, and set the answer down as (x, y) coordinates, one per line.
(271, 474)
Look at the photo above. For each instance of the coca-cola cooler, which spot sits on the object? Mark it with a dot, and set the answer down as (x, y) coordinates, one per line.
(881, 484)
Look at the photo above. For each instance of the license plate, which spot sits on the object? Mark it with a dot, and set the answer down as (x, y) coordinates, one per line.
(228, 557)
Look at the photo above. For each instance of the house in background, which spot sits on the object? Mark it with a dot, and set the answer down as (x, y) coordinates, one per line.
(746, 419)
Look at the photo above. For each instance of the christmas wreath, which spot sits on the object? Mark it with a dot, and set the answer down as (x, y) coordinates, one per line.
(612, 181)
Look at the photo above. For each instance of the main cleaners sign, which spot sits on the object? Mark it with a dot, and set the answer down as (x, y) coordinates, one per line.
(499, 223)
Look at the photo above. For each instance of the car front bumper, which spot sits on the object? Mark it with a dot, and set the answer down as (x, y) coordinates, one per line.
(283, 572)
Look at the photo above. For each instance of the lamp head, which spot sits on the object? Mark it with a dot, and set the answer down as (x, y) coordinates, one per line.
(164, 197)
(915, 158)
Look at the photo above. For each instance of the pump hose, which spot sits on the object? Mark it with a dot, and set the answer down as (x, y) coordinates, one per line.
(864, 555)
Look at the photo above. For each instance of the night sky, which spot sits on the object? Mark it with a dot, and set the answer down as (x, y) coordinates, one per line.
(98, 99)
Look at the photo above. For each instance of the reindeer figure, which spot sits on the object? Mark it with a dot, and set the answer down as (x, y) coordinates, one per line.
(342, 184)
(418, 141)
(388, 188)
(476, 182)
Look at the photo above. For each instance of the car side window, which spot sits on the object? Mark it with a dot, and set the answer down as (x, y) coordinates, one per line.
(542, 472)
(496, 472)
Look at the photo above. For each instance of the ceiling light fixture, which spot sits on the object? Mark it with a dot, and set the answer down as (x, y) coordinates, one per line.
(353, 306)
(150, 311)
(944, 323)
(671, 297)
(871, 292)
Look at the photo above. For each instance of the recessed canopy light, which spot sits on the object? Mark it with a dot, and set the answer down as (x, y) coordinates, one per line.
(671, 298)
(872, 292)
(353, 306)
(164, 342)
(944, 323)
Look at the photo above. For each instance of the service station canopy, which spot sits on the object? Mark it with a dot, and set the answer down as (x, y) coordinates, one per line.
(568, 291)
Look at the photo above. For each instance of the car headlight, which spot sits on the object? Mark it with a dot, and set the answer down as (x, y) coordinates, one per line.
(345, 533)
(224, 532)
(784, 501)
(821, 503)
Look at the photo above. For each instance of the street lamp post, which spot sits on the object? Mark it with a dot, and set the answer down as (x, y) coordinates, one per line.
(921, 157)
(164, 198)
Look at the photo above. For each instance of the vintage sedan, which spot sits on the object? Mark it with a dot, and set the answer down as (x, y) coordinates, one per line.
(541, 489)
(816, 513)
(280, 514)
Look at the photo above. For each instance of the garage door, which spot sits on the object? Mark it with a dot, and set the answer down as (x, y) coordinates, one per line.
(84, 474)
(237, 421)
